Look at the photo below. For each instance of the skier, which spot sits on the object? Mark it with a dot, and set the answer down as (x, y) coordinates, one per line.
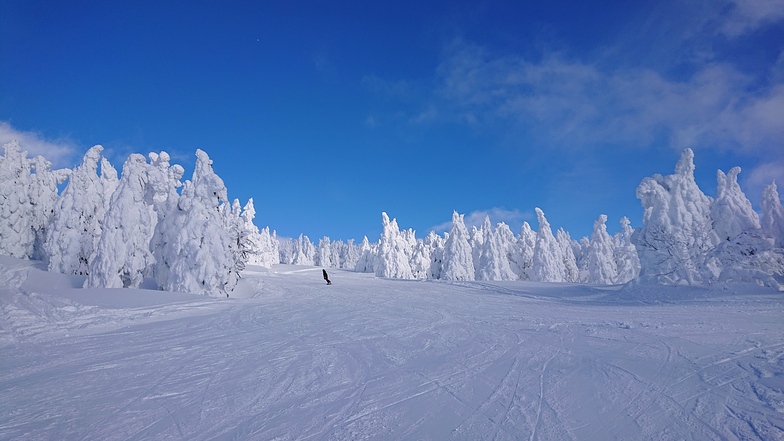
(326, 277)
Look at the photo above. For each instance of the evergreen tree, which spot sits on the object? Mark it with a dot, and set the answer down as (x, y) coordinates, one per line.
(772, 215)
(600, 257)
(548, 260)
(731, 211)
(458, 254)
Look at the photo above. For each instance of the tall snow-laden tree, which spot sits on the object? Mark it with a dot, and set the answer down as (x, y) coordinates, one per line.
(392, 259)
(476, 240)
(43, 197)
(28, 192)
(493, 261)
(196, 245)
(731, 211)
(78, 215)
(600, 257)
(435, 244)
(677, 229)
(458, 254)
(547, 259)
(526, 244)
(262, 248)
(625, 253)
(772, 215)
(511, 248)
(303, 251)
(286, 250)
(367, 256)
(17, 235)
(571, 273)
(123, 253)
(324, 253)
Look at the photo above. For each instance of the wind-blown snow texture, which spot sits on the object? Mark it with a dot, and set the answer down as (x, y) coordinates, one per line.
(289, 358)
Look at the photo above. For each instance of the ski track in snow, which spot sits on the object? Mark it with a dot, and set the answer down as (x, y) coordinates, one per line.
(288, 357)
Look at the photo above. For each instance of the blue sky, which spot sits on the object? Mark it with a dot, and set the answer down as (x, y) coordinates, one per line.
(328, 113)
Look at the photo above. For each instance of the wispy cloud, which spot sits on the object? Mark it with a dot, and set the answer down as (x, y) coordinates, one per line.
(513, 218)
(61, 153)
(573, 103)
(747, 15)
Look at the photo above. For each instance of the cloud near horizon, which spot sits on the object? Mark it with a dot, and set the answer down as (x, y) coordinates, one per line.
(59, 152)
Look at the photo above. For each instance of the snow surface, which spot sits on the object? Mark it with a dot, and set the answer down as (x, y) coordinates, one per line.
(287, 357)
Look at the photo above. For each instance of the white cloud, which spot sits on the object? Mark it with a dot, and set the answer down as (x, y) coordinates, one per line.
(748, 15)
(573, 103)
(513, 218)
(60, 153)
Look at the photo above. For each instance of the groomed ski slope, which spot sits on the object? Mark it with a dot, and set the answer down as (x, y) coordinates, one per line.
(289, 358)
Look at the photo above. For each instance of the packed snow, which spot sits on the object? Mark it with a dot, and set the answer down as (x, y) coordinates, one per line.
(288, 357)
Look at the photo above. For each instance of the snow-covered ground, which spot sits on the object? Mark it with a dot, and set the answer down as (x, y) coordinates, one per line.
(287, 357)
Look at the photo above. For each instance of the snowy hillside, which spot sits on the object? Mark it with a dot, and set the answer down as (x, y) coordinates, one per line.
(287, 357)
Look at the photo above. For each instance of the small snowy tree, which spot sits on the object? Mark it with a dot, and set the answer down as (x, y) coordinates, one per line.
(367, 255)
(772, 215)
(526, 245)
(600, 258)
(571, 273)
(731, 210)
(626, 259)
(494, 261)
(392, 260)
(458, 254)
(547, 259)
(78, 215)
(303, 251)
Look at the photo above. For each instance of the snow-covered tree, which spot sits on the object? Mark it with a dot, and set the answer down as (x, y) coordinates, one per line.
(285, 250)
(600, 255)
(626, 259)
(772, 215)
(303, 251)
(196, 246)
(367, 257)
(493, 261)
(76, 222)
(476, 240)
(731, 211)
(547, 259)
(350, 255)
(123, 253)
(28, 192)
(526, 245)
(421, 260)
(435, 244)
(324, 253)
(511, 248)
(571, 273)
(17, 236)
(458, 254)
(392, 259)
(677, 229)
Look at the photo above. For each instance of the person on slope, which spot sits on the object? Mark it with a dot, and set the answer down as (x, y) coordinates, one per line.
(326, 277)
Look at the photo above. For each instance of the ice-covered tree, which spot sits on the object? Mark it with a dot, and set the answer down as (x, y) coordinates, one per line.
(285, 250)
(526, 244)
(511, 248)
(420, 260)
(303, 251)
(493, 261)
(392, 259)
(123, 253)
(600, 255)
(367, 257)
(324, 253)
(350, 255)
(626, 260)
(476, 240)
(571, 273)
(16, 233)
(76, 222)
(677, 229)
(731, 211)
(196, 247)
(28, 192)
(772, 215)
(458, 254)
(547, 258)
(435, 244)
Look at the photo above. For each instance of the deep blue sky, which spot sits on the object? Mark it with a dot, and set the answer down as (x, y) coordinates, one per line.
(328, 114)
